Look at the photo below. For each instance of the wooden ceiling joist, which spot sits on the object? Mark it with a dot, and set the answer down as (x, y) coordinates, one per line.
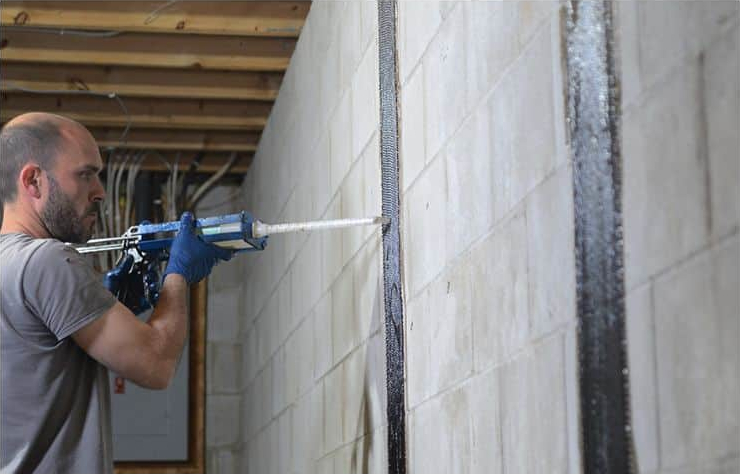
(143, 82)
(147, 139)
(248, 18)
(148, 50)
(143, 113)
(209, 163)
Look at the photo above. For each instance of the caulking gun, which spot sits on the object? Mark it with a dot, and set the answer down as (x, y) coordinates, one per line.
(143, 247)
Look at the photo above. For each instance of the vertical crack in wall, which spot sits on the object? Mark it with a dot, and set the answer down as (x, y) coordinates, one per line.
(593, 114)
(394, 341)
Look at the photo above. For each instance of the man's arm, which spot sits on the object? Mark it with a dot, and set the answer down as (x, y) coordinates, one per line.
(144, 352)
(147, 352)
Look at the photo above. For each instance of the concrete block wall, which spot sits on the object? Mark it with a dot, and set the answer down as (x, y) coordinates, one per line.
(488, 239)
(224, 323)
(681, 149)
(312, 378)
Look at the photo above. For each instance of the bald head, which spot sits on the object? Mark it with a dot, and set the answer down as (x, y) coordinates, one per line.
(34, 137)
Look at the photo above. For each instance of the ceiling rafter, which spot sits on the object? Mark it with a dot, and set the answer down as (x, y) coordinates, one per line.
(178, 76)
(244, 18)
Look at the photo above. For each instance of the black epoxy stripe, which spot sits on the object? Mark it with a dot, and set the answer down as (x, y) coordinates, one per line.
(593, 113)
(394, 342)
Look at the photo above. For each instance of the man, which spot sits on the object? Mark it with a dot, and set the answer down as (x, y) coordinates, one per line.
(60, 329)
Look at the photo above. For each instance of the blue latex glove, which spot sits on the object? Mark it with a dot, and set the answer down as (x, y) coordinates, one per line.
(190, 256)
(114, 280)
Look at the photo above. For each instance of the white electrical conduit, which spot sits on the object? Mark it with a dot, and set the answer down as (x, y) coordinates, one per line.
(117, 197)
(211, 181)
(130, 181)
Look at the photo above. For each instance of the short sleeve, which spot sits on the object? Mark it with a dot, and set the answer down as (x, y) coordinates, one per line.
(63, 290)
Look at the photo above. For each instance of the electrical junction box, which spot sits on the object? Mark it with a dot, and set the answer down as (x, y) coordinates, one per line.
(150, 425)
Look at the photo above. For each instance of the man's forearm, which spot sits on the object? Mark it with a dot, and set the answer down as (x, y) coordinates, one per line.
(170, 321)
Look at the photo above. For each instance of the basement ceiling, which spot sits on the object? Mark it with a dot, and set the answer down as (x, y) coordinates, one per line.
(180, 77)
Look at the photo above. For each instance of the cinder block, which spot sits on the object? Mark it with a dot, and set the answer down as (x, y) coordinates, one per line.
(353, 205)
(425, 228)
(417, 24)
(441, 434)
(485, 421)
(492, 42)
(333, 406)
(411, 122)
(284, 445)
(628, 44)
(500, 295)
(722, 104)
(307, 282)
(249, 356)
(285, 303)
(446, 331)
(368, 289)
(341, 141)
(376, 389)
(348, 37)
(354, 395)
(263, 394)
(642, 378)
(444, 88)
(697, 315)
(267, 329)
(249, 413)
(331, 246)
(470, 182)
(533, 414)
(373, 190)
(365, 100)
(417, 349)
(369, 22)
(226, 368)
(319, 176)
(322, 336)
(671, 32)
(523, 130)
(665, 196)
(277, 396)
(532, 18)
(225, 314)
(299, 361)
(551, 254)
(345, 325)
(224, 461)
(222, 420)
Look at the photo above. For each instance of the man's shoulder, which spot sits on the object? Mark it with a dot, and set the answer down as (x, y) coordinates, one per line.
(27, 249)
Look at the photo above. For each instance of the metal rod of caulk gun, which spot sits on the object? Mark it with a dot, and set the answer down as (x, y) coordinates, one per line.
(260, 229)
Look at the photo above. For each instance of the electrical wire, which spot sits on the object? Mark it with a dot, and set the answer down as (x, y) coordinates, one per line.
(110, 95)
(155, 13)
(212, 180)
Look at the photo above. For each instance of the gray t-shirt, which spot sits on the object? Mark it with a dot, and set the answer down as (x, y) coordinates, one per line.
(54, 397)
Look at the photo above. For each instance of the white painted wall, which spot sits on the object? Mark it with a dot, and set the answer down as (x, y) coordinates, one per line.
(488, 247)
(681, 89)
(488, 239)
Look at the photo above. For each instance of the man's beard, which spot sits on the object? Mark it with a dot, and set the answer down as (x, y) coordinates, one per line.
(61, 219)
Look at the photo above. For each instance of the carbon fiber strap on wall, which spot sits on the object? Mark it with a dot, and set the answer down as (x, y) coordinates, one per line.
(593, 114)
(394, 342)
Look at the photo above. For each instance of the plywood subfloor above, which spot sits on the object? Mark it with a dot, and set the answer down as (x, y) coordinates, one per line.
(178, 75)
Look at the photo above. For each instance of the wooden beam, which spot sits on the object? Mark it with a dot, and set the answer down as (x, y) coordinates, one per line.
(144, 113)
(143, 82)
(148, 139)
(149, 50)
(263, 18)
(210, 163)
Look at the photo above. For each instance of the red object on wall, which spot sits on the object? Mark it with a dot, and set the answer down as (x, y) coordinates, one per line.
(119, 385)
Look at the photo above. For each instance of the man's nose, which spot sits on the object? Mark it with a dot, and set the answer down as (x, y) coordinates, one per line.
(98, 193)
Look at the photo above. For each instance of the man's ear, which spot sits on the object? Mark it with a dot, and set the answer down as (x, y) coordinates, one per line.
(30, 181)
